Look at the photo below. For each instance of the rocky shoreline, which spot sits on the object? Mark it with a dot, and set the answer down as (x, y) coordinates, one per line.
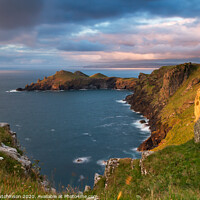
(151, 95)
(13, 152)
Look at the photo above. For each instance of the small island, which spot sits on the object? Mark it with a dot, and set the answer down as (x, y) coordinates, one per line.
(65, 80)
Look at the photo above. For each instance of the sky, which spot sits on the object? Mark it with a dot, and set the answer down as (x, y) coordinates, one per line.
(98, 33)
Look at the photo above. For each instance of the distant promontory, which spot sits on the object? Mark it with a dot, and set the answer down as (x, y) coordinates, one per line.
(65, 80)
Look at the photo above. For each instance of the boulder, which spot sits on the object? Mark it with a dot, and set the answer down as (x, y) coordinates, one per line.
(87, 188)
(12, 152)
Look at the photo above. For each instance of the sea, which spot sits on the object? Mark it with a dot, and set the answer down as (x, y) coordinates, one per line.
(71, 133)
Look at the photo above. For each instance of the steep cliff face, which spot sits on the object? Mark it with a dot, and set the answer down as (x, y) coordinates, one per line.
(152, 93)
(64, 80)
(197, 118)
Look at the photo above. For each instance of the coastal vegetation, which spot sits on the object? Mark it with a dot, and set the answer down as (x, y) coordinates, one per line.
(170, 163)
(172, 173)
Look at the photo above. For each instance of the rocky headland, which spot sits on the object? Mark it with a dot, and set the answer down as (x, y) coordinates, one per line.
(169, 166)
(156, 96)
(65, 80)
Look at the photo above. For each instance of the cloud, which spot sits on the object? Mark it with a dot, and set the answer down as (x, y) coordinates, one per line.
(21, 13)
(82, 45)
(98, 31)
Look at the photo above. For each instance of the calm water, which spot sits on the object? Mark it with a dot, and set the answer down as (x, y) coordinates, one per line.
(59, 127)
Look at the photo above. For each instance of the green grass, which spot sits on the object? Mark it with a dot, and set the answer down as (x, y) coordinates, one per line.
(173, 173)
(98, 75)
(179, 114)
(5, 137)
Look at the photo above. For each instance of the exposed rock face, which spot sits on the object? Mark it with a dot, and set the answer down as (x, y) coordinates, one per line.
(197, 106)
(111, 165)
(64, 80)
(145, 154)
(97, 177)
(197, 131)
(12, 152)
(23, 159)
(197, 118)
(151, 94)
(87, 188)
(6, 126)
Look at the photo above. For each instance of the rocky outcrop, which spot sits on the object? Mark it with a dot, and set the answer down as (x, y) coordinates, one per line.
(12, 152)
(197, 117)
(151, 94)
(6, 126)
(145, 154)
(111, 166)
(197, 131)
(64, 80)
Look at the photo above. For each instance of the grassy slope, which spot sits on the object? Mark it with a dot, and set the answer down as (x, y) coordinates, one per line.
(12, 177)
(98, 75)
(179, 113)
(173, 173)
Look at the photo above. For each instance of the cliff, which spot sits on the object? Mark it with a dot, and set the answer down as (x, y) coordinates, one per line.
(64, 80)
(166, 98)
(172, 173)
(18, 176)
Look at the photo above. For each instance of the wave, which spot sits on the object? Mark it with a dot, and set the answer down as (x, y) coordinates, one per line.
(101, 162)
(106, 125)
(134, 149)
(86, 134)
(11, 91)
(136, 112)
(121, 101)
(142, 127)
(82, 160)
(119, 116)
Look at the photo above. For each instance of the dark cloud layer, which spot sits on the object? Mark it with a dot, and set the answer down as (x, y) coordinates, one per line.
(19, 13)
(26, 13)
(92, 31)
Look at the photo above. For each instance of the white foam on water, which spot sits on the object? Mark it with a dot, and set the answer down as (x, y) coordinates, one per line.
(111, 117)
(106, 125)
(27, 139)
(52, 130)
(121, 101)
(17, 125)
(101, 162)
(82, 160)
(87, 134)
(119, 116)
(11, 91)
(142, 127)
(134, 149)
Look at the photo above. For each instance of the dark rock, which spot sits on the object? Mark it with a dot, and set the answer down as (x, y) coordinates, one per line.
(19, 89)
(150, 101)
(143, 121)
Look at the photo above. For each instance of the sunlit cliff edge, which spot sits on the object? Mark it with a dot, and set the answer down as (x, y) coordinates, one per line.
(170, 164)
